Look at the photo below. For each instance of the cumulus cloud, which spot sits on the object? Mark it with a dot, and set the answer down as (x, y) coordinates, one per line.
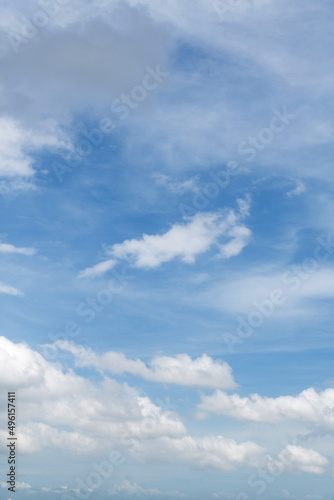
(298, 459)
(58, 398)
(18, 144)
(179, 370)
(61, 410)
(10, 290)
(186, 241)
(308, 406)
(7, 248)
(209, 452)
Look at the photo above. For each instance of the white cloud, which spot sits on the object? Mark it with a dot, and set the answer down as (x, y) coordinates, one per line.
(18, 144)
(179, 370)
(310, 279)
(52, 438)
(53, 93)
(298, 459)
(106, 413)
(10, 290)
(209, 452)
(19, 485)
(7, 248)
(102, 414)
(176, 186)
(308, 406)
(82, 33)
(299, 189)
(98, 269)
(134, 489)
(53, 398)
(287, 494)
(189, 239)
(186, 241)
(203, 127)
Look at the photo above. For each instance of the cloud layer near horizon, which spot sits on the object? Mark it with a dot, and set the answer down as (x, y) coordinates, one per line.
(51, 398)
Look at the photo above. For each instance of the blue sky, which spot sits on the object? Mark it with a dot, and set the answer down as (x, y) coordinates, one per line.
(167, 248)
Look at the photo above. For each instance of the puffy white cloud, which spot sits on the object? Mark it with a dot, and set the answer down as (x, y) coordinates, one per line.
(52, 438)
(98, 269)
(18, 144)
(30, 365)
(298, 459)
(209, 452)
(180, 370)
(187, 240)
(93, 411)
(308, 406)
(60, 410)
(10, 290)
(7, 248)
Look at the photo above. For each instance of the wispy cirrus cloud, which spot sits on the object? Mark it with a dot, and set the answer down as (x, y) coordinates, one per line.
(98, 269)
(177, 186)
